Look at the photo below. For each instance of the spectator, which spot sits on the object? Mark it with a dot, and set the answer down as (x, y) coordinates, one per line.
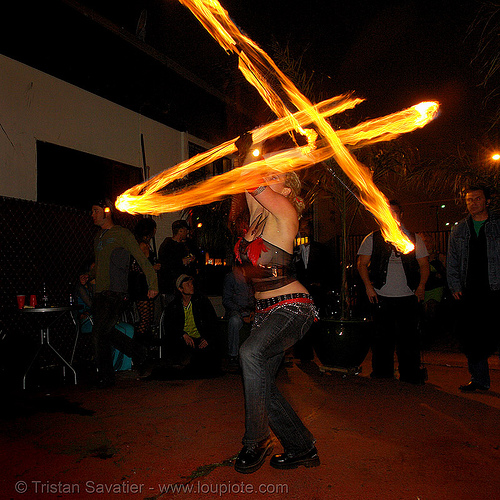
(395, 283)
(314, 265)
(239, 304)
(314, 268)
(144, 232)
(84, 294)
(473, 273)
(191, 333)
(113, 246)
(435, 289)
(175, 258)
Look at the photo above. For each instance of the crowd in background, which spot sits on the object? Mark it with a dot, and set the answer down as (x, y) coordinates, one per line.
(420, 313)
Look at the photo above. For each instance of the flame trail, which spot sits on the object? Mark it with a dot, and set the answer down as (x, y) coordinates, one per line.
(279, 92)
(146, 198)
(137, 199)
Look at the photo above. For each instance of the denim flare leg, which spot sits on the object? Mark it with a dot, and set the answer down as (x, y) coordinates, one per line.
(260, 356)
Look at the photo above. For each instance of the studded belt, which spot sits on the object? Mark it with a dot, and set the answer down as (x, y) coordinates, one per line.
(264, 305)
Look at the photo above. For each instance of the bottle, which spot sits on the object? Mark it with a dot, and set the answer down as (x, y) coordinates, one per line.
(71, 297)
(45, 296)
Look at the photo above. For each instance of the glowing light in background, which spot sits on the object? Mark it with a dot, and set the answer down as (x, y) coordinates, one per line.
(280, 94)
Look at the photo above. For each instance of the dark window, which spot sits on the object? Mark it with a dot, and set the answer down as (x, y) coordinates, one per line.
(215, 168)
(71, 178)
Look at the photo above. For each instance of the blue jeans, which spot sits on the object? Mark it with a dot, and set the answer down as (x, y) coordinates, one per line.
(260, 357)
(234, 324)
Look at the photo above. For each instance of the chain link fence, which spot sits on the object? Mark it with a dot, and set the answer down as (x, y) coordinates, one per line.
(40, 244)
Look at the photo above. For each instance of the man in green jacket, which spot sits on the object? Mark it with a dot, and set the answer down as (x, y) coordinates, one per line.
(113, 246)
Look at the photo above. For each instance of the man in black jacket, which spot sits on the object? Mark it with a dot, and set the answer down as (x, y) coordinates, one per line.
(315, 265)
(192, 337)
(175, 258)
(395, 284)
(315, 270)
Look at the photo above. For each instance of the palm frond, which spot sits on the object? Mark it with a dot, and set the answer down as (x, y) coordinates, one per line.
(487, 27)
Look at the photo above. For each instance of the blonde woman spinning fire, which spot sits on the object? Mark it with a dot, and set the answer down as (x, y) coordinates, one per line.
(284, 313)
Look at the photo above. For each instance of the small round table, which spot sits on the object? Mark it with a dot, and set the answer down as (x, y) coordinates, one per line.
(45, 332)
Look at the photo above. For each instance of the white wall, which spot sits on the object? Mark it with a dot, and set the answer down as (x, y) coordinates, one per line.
(36, 106)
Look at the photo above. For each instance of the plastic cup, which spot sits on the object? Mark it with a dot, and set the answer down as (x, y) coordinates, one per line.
(33, 300)
(20, 301)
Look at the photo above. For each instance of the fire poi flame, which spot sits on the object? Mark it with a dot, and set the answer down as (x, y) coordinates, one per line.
(258, 68)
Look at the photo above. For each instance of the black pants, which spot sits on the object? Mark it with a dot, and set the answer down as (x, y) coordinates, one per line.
(476, 315)
(107, 309)
(396, 321)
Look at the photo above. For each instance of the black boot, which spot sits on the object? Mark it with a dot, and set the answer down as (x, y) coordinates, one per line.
(472, 386)
(288, 460)
(251, 458)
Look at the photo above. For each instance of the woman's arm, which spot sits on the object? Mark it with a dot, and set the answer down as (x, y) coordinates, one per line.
(275, 203)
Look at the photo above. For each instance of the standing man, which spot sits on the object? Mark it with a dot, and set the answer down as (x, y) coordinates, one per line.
(314, 267)
(175, 259)
(113, 246)
(473, 273)
(395, 283)
(239, 304)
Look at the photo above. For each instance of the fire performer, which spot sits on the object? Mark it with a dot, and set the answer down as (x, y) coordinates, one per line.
(284, 313)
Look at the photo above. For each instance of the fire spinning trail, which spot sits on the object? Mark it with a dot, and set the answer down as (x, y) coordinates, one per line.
(261, 71)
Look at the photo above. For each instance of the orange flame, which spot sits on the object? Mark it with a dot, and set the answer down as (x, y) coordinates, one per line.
(276, 88)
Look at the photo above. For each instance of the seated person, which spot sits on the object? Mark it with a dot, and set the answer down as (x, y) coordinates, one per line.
(239, 303)
(191, 335)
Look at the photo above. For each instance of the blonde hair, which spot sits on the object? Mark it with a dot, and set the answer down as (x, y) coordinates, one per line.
(292, 181)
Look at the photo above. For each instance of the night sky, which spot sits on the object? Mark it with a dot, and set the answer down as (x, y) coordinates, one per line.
(393, 53)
